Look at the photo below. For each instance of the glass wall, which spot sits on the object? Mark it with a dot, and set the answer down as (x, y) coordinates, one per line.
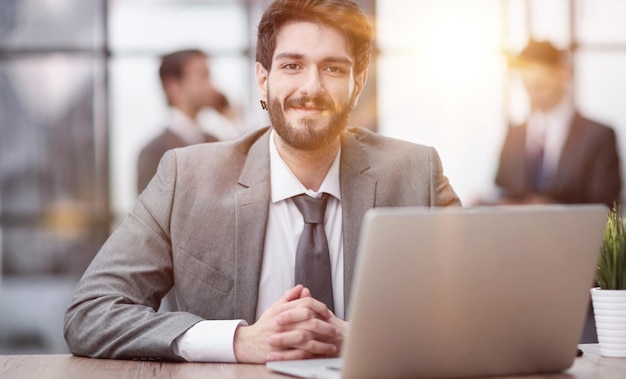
(53, 167)
(600, 65)
(441, 81)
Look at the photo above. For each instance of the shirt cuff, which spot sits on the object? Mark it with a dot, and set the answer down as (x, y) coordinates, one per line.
(208, 341)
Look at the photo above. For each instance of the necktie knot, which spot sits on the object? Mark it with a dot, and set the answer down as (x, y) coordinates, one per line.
(313, 209)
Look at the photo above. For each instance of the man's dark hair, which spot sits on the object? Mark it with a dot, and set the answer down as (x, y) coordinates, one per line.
(172, 65)
(343, 15)
(543, 52)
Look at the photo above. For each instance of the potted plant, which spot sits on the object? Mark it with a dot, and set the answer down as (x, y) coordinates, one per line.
(609, 299)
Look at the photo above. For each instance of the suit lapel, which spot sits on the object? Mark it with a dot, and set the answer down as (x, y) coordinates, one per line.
(252, 207)
(358, 193)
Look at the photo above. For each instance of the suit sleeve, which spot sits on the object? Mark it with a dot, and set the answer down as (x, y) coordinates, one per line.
(605, 180)
(442, 193)
(113, 312)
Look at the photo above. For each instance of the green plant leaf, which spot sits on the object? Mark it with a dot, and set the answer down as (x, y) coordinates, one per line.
(611, 268)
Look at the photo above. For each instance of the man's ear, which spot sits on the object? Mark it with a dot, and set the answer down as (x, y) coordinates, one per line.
(171, 87)
(261, 80)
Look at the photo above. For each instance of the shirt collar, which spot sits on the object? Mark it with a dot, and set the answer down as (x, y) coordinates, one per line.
(559, 117)
(284, 183)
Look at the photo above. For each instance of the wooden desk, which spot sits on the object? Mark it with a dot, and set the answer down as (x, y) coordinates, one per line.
(590, 366)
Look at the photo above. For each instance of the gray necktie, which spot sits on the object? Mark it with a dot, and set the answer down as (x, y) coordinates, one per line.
(312, 258)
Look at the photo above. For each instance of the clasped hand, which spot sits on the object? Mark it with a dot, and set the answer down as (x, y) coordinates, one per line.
(296, 327)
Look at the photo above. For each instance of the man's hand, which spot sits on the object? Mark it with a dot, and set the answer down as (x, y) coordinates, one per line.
(306, 337)
(296, 327)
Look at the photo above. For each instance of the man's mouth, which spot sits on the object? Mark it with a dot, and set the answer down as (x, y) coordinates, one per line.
(308, 108)
(309, 105)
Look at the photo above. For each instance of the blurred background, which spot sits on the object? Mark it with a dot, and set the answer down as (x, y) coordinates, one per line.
(80, 95)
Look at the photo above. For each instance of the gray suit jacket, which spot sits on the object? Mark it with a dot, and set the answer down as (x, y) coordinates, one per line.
(199, 227)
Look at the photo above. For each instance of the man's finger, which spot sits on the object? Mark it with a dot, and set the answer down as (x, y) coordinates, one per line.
(309, 349)
(293, 293)
(299, 337)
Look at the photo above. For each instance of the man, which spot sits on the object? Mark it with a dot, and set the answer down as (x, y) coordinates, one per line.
(220, 222)
(188, 88)
(558, 156)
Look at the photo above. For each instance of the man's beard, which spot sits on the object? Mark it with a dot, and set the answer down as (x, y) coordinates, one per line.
(308, 136)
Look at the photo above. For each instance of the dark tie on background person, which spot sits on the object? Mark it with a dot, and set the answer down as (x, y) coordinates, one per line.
(538, 169)
(312, 256)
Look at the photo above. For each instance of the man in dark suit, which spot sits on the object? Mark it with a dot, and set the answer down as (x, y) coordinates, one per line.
(187, 84)
(558, 156)
(222, 223)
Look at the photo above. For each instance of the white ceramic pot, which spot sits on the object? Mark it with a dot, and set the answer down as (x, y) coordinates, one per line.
(609, 308)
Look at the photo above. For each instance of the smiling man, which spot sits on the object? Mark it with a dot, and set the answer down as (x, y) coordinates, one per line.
(230, 227)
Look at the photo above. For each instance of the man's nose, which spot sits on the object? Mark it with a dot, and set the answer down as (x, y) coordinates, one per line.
(312, 83)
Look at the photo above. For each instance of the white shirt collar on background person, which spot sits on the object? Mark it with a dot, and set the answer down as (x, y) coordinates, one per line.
(550, 129)
(187, 129)
(220, 127)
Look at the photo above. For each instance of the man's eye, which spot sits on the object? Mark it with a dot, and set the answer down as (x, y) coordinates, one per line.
(334, 69)
(291, 66)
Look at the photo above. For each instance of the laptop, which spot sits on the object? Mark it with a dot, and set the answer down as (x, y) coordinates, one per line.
(466, 292)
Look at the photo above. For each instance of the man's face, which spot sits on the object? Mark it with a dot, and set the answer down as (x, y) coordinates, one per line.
(195, 87)
(545, 85)
(311, 88)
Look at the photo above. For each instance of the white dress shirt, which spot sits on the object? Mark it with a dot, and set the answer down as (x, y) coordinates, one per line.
(212, 340)
(550, 129)
(284, 227)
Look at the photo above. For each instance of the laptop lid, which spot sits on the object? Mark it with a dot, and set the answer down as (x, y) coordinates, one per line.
(461, 292)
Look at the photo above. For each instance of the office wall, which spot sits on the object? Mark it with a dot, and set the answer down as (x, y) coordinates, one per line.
(442, 83)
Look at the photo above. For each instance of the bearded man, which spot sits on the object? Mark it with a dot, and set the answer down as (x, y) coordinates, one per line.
(222, 223)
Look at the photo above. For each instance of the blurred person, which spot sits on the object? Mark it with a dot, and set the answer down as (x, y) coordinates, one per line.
(224, 223)
(188, 87)
(557, 156)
